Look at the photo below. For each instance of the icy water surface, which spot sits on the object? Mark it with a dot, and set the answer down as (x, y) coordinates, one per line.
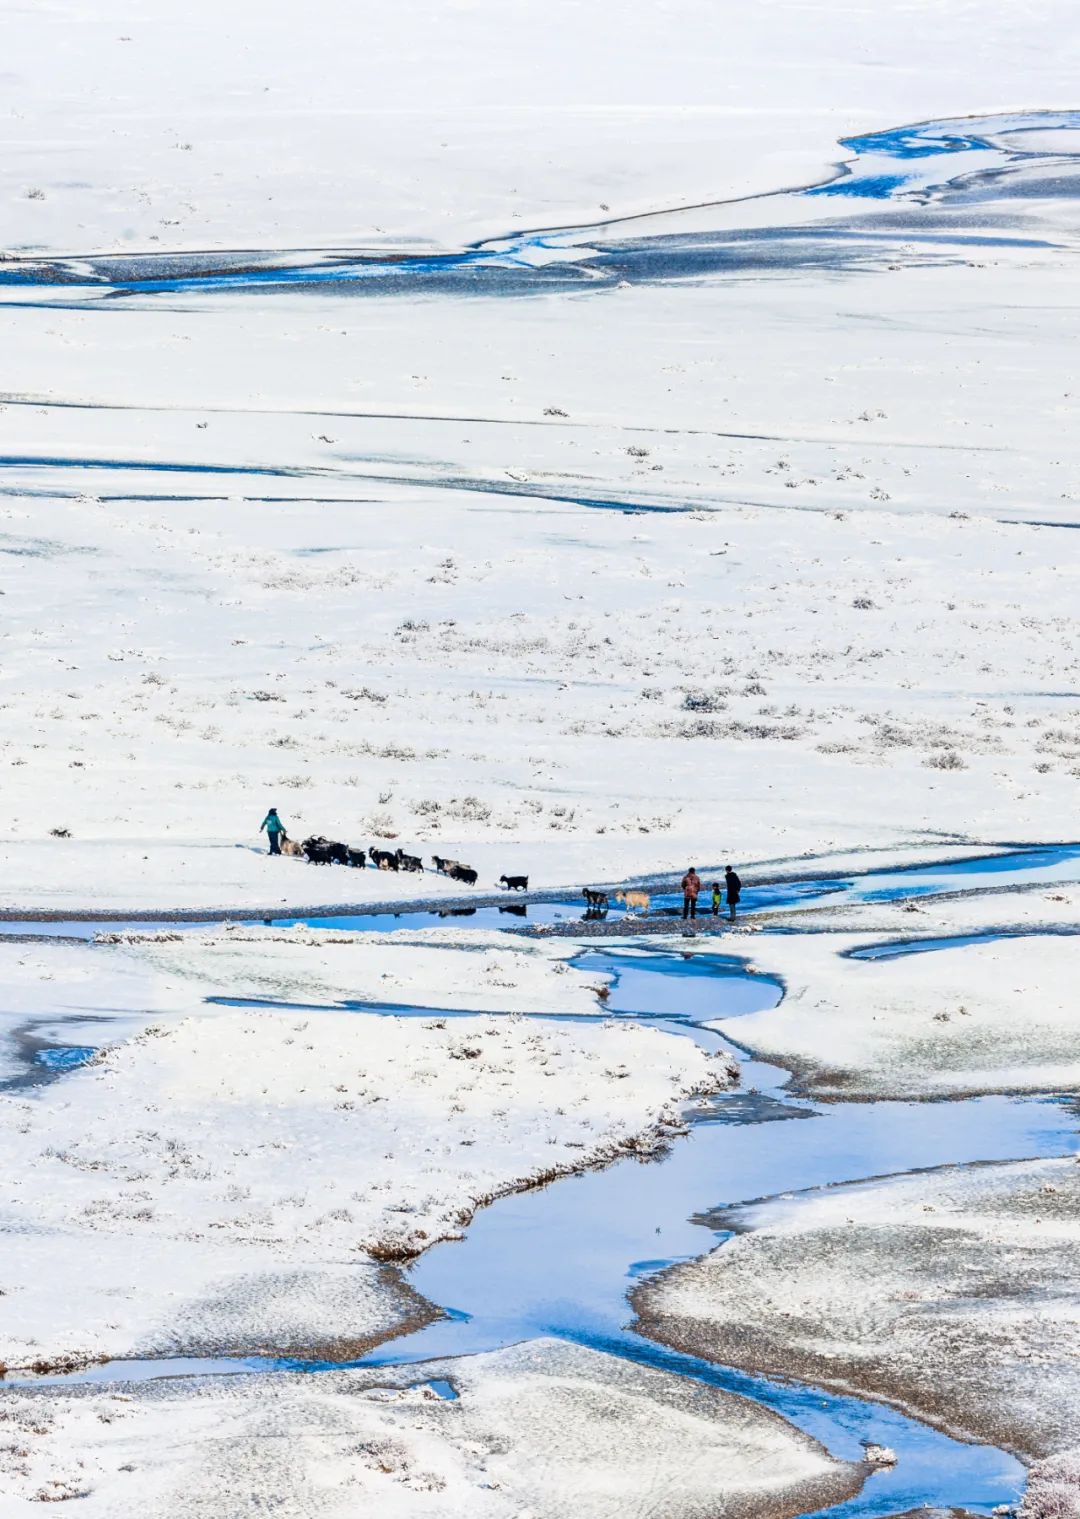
(560, 1260)
(899, 948)
(1042, 866)
(924, 192)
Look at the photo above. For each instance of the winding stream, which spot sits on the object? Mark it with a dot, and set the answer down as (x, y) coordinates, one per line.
(560, 1260)
(928, 191)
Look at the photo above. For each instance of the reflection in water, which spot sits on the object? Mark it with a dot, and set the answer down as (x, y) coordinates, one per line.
(1044, 865)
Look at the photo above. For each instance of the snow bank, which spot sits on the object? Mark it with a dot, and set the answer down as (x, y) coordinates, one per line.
(981, 908)
(235, 1158)
(905, 1289)
(93, 994)
(74, 994)
(544, 1429)
(476, 970)
(985, 1017)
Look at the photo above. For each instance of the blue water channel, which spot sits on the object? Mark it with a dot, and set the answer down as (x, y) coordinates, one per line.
(1043, 865)
(560, 1260)
(926, 175)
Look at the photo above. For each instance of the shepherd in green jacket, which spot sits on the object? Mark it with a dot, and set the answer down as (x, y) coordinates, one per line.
(275, 830)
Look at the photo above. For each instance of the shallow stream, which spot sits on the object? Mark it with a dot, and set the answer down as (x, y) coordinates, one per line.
(560, 1260)
(926, 191)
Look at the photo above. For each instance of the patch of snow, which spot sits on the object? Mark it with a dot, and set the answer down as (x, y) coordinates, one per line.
(545, 1428)
(238, 1158)
(988, 1017)
(906, 1288)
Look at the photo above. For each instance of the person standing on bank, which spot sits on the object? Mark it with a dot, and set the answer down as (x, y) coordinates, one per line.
(734, 890)
(275, 830)
(691, 885)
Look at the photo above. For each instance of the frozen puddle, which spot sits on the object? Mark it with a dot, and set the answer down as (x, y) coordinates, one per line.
(560, 1260)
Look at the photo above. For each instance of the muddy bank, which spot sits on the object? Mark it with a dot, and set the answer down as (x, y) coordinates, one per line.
(951, 1294)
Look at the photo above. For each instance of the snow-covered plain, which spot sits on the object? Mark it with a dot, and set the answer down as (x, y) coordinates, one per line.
(250, 126)
(384, 578)
(696, 526)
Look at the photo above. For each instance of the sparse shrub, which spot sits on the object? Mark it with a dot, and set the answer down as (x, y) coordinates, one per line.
(469, 809)
(1053, 1490)
(889, 736)
(787, 731)
(945, 759)
(700, 728)
(706, 701)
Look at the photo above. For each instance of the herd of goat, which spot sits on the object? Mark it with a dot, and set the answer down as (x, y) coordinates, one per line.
(320, 851)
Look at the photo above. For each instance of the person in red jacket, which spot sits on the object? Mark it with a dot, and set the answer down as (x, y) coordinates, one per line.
(691, 885)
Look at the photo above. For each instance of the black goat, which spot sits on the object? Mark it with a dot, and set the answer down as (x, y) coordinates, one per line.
(409, 861)
(515, 883)
(320, 851)
(444, 867)
(383, 859)
(464, 873)
(594, 898)
(358, 858)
